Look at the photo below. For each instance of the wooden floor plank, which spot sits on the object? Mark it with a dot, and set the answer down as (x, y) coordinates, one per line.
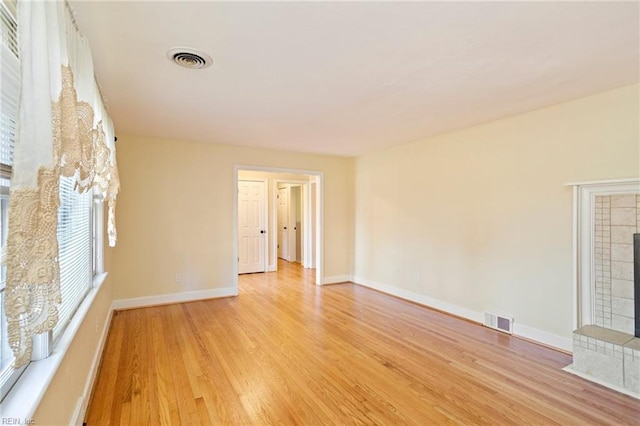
(288, 352)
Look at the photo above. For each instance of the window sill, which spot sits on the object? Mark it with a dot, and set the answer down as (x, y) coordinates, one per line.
(23, 399)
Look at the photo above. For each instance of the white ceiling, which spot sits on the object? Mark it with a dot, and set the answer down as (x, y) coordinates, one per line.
(348, 78)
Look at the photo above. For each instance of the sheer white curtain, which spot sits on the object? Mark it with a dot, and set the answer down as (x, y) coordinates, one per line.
(63, 130)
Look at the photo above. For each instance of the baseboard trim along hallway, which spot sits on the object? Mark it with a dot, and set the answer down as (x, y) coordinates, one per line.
(165, 299)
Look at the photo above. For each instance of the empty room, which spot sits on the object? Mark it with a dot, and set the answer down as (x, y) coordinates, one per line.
(320, 212)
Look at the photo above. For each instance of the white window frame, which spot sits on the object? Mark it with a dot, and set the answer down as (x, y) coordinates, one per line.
(81, 289)
(98, 235)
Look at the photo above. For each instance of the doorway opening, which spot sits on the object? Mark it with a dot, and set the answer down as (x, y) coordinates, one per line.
(277, 215)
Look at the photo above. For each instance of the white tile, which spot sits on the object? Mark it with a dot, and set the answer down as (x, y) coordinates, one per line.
(623, 216)
(622, 306)
(631, 373)
(622, 288)
(623, 200)
(622, 324)
(622, 234)
(600, 366)
(622, 270)
(623, 252)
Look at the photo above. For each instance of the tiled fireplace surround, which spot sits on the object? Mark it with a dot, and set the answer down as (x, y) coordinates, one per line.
(616, 220)
(605, 349)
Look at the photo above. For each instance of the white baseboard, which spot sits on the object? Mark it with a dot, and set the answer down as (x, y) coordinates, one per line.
(520, 330)
(83, 401)
(337, 279)
(543, 337)
(165, 299)
(77, 418)
(422, 299)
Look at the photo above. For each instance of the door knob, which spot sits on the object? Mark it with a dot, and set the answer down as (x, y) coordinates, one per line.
(262, 231)
(285, 227)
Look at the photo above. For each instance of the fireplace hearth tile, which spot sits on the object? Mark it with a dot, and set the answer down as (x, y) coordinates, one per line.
(602, 366)
(599, 333)
(634, 344)
(608, 356)
(632, 365)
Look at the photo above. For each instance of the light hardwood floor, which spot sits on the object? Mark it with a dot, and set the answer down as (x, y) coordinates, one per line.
(285, 351)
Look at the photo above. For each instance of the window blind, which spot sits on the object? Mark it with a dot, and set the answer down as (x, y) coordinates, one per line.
(10, 84)
(75, 249)
(9, 90)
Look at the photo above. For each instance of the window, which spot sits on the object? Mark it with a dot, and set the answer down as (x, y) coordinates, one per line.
(79, 232)
(98, 235)
(9, 85)
(75, 238)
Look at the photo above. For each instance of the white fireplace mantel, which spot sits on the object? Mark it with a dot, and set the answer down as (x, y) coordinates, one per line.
(605, 213)
(584, 194)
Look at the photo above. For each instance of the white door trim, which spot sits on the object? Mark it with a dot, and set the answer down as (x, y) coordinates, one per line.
(584, 194)
(303, 184)
(319, 176)
(282, 194)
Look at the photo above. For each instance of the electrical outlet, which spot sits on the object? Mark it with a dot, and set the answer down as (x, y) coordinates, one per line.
(417, 279)
(178, 278)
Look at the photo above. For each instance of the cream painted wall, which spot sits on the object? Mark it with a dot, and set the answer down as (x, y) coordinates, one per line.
(175, 213)
(482, 215)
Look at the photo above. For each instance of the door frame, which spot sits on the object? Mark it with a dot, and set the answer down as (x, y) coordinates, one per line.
(305, 236)
(319, 176)
(265, 200)
(308, 259)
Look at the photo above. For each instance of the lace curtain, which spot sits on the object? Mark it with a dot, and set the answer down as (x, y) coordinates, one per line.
(63, 130)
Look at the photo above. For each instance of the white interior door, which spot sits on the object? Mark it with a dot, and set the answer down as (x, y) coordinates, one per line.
(283, 223)
(251, 226)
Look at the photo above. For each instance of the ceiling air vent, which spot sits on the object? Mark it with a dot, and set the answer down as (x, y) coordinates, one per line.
(189, 58)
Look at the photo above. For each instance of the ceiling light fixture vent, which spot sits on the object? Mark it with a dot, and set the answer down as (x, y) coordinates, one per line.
(189, 58)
